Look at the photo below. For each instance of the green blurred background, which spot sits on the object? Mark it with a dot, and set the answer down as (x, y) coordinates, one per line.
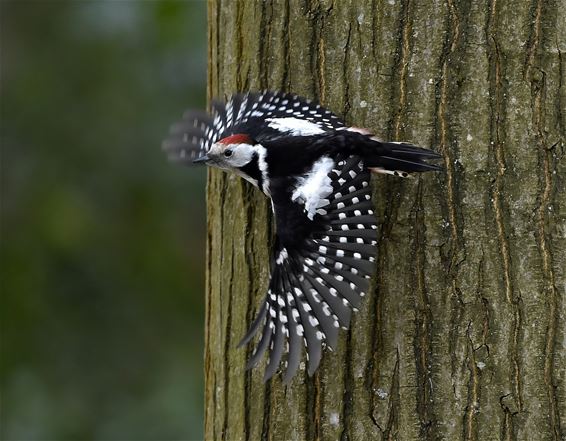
(102, 241)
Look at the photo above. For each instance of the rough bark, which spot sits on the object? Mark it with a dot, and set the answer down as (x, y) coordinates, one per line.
(464, 335)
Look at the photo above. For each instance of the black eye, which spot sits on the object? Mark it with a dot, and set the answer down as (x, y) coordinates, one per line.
(228, 153)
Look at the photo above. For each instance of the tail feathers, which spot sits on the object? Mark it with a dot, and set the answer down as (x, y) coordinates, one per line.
(400, 159)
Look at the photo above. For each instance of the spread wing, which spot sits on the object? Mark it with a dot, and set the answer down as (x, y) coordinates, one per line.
(320, 271)
(261, 115)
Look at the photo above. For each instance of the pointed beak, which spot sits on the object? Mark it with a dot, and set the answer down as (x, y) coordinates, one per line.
(202, 159)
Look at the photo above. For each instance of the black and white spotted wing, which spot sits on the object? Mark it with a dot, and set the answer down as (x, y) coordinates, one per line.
(242, 113)
(315, 286)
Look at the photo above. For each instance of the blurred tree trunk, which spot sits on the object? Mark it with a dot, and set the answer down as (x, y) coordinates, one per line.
(464, 335)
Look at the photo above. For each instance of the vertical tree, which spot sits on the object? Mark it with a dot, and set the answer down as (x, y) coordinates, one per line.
(463, 337)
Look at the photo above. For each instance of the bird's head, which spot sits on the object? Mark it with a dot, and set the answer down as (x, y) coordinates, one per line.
(229, 153)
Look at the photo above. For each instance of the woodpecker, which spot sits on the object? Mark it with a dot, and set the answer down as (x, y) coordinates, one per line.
(316, 172)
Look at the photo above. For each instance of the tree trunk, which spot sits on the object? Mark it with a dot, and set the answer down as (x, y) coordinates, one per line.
(463, 336)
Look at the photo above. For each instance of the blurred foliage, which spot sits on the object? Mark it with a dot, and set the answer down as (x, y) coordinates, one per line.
(102, 241)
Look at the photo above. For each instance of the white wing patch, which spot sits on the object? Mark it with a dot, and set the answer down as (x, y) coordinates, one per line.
(295, 126)
(314, 188)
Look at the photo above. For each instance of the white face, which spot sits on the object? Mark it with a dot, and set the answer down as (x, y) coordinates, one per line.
(230, 156)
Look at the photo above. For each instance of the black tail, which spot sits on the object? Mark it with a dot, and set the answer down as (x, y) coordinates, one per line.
(400, 158)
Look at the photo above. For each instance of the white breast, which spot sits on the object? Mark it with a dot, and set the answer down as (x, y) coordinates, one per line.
(313, 189)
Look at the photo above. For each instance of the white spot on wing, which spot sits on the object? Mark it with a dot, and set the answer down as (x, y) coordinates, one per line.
(295, 126)
(314, 187)
(283, 255)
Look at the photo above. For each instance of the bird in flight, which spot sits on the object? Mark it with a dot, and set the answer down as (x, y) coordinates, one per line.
(316, 172)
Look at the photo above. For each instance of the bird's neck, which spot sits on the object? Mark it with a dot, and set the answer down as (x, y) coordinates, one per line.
(256, 171)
